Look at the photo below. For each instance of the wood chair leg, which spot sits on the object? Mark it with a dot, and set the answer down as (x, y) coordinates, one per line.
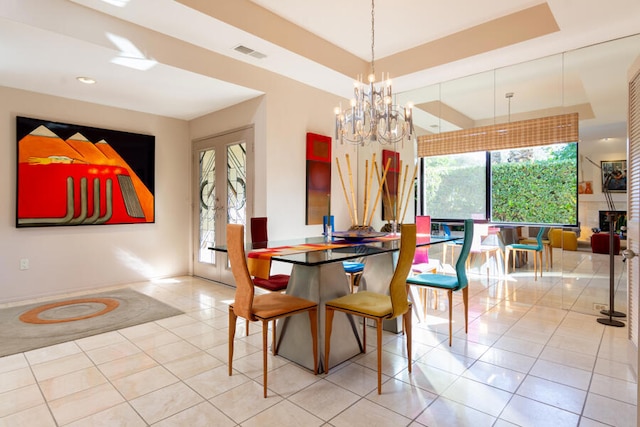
(540, 262)
(232, 335)
(328, 324)
(273, 337)
(265, 332)
(506, 261)
(465, 301)
(450, 295)
(364, 334)
(407, 317)
(379, 335)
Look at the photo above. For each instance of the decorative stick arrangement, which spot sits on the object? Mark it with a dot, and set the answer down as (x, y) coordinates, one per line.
(350, 198)
(402, 206)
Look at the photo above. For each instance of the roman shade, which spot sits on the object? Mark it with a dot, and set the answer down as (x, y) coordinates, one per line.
(521, 134)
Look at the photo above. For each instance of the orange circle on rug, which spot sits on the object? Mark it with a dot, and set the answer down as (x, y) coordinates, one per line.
(32, 316)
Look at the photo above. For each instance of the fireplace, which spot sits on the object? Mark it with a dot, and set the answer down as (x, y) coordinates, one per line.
(620, 219)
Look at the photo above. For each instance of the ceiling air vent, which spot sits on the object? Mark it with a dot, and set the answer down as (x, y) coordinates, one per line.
(248, 51)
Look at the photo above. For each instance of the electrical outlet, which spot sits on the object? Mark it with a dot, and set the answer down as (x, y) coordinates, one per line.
(600, 306)
(24, 264)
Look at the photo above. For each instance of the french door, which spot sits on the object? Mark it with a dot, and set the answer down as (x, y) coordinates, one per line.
(223, 186)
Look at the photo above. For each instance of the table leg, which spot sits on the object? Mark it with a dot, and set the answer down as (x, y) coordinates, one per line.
(320, 284)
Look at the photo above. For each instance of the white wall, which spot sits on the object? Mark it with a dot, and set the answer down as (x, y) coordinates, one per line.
(64, 259)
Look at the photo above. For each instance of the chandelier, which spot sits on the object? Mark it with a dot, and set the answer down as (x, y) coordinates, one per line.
(372, 116)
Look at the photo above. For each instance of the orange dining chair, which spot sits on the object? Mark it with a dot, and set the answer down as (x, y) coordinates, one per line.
(265, 308)
(379, 307)
(451, 283)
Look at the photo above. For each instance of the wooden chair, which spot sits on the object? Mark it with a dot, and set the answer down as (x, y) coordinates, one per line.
(264, 308)
(535, 250)
(452, 283)
(422, 264)
(379, 307)
(353, 270)
(268, 282)
(259, 239)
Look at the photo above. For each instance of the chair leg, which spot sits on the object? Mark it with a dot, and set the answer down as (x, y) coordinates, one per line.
(313, 320)
(328, 323)
(540, 262)
(465, 301)
(246, 333)
(506, 261)
(407, 317)
(265, 332)
(450, 295)
(273, 337)
(379, 335)
(232, 335)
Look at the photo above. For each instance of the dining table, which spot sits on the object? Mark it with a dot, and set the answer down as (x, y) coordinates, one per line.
(318, 274)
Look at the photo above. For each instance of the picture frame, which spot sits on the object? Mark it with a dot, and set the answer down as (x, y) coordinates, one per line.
(70, 175)
(614, 176)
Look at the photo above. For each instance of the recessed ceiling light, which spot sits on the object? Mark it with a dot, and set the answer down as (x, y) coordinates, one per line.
(86, 80)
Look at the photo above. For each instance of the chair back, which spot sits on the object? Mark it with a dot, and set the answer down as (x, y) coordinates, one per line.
(539, 238)
(398, 286)
(259, 235)
(244, 285)
(461, 264)
(423, 226)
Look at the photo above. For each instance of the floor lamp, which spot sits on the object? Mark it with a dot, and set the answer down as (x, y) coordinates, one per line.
(611, 219)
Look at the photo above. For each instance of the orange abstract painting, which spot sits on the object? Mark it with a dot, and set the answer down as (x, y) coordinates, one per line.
(78, 175)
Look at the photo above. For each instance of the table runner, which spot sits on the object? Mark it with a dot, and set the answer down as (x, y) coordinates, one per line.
(259, 260)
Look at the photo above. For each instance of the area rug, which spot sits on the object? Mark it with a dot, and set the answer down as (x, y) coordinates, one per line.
(27, 327)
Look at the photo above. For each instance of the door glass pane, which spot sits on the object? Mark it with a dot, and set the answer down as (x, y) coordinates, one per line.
(236, 183)
(207, 205)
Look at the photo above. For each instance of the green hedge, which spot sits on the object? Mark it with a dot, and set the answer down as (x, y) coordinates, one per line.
(535, 192)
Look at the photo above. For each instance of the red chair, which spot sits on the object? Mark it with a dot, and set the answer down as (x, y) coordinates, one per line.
(259, 239)
(600, 243)
(275, 282)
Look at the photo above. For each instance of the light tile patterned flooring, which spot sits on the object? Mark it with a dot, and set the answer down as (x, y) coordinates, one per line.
(534, 356)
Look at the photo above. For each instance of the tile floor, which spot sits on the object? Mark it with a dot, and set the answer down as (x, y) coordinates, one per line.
(534, 356)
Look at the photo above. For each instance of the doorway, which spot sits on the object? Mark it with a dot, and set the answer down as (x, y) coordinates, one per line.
(223, 185)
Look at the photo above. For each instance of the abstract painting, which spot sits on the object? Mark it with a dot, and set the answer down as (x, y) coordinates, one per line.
(78, 175)
(318, 177)
(390, 200)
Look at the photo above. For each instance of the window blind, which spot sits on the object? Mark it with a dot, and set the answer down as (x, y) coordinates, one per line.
(524, 133)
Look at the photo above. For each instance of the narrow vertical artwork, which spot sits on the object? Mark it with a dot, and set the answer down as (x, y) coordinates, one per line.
(390, 196)
(318, 177)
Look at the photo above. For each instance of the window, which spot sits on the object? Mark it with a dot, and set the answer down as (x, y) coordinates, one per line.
(536, 185)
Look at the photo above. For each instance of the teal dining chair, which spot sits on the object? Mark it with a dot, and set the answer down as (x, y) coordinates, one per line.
(451, 283)
(536, 250)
